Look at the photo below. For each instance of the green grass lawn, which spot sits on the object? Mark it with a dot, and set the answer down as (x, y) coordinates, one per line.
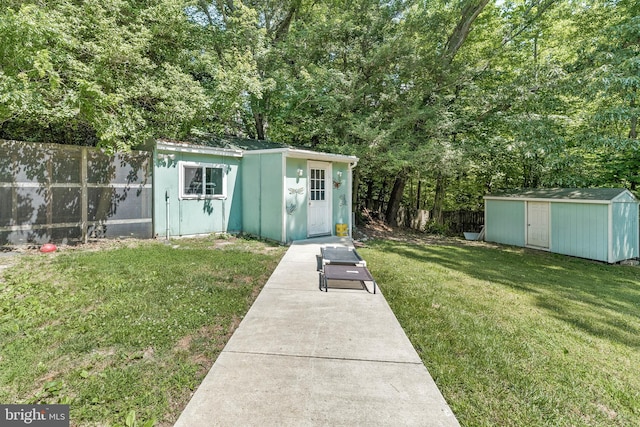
(511, 336)
(124, 332)
(519, 337)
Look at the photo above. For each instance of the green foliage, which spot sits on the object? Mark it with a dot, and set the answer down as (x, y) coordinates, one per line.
(608, 72)
(97, 72)
(468, 97)
(131, 421)
(433, 227)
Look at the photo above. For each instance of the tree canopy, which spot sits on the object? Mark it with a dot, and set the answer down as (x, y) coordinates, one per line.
(442, 101)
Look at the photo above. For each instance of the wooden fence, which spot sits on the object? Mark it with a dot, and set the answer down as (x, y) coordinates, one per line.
(68, 194)
(456, 222)
(460, 221)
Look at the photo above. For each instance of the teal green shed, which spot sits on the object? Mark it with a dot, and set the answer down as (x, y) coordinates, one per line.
(260, 188)
(593, 223)
(196, 189)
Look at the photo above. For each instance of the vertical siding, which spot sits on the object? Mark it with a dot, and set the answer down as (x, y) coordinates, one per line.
(234, 206)
(271, 190)
(251, 199)
(580, 229)
(340, 195)
(296, 199)
(263, 200)
(504, 222)
(201, 216)
(625, 231)
(165, 179)
(188, 217)
(297, 203)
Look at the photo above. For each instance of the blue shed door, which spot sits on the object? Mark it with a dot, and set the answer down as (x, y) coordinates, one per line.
(538, 224)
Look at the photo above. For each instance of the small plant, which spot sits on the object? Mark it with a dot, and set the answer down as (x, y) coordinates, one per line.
(131, 421)
(432, 227)
(52, 392)
(249, 236)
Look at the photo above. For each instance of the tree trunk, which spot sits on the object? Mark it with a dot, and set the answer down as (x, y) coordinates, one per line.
(282, 29)
(462, 30)
(259, 122)
(438, 200)
(369, 197)
(355, 177)
(380, 202)
(258, 111)
(418, 195)
(391, 215)
(633, 132)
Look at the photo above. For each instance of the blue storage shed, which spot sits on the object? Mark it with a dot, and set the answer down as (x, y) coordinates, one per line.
(593, 223)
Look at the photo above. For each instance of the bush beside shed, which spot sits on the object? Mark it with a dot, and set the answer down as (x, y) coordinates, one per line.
(593, 223)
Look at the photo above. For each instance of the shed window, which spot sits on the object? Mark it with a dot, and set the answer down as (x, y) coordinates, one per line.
(202, 181)
(317, 182)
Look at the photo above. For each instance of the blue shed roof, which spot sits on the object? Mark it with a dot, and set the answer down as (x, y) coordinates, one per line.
(589, 194)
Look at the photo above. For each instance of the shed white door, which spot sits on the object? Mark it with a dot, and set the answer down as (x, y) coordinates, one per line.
(538, 224)
(319, 214)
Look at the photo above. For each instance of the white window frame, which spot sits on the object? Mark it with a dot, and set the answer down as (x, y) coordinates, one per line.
(188, 196)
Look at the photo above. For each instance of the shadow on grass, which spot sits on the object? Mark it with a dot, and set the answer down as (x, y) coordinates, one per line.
(599, 299)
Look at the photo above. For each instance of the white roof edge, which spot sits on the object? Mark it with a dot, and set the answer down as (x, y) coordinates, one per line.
(200, 149)
(538, 199)
(288, 152)
(306, 154)
(628, 193)
(267, 151)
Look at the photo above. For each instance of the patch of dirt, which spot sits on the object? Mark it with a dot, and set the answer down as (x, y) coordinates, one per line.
(183, 343)
(105, 244)
(213, 333)
(208, 333)
(6, 261)
(610, 413)
(376, 229)
(9, 254)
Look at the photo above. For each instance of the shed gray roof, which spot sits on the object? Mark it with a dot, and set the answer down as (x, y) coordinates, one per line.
(243, 144)
(239, 147)
(235, 143)
(563, 193)
(228, 143)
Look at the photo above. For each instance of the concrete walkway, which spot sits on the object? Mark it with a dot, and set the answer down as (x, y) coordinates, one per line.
(302, 357)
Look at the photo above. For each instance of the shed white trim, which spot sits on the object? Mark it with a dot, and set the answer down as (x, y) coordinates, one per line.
(620, 198)
(283, 214)
(538, 199)
(350, 199)
(295, 153)
(610, 232)
(625, 193)
(197, 149)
